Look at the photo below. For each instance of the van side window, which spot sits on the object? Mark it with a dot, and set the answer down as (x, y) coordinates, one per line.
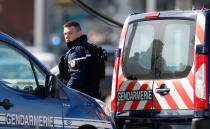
(16, 70)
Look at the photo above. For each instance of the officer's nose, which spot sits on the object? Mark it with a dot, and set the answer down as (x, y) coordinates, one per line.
(67, 37)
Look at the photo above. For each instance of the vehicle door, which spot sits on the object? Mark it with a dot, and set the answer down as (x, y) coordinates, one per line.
(173, 66)
(135, 82)
(23, 103)
(157, 65)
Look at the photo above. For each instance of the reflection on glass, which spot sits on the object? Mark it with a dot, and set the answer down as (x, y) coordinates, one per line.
(15, 69)
(143, 38)
(176, 45)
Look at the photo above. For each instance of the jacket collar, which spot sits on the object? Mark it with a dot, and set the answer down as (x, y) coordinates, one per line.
(77, 42)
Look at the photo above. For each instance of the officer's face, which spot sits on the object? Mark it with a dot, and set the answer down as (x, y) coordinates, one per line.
(71, 33)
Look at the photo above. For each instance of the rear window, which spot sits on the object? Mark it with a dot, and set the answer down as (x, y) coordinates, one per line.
(157, 49)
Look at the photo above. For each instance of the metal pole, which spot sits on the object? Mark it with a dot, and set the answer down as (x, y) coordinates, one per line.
(39, 25)
(150, 5)
(183, 4)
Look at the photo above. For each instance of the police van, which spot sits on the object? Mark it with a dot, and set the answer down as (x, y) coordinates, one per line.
(160, 78)
(32, 97)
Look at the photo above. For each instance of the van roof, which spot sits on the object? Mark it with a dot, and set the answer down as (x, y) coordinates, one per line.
(178, 14)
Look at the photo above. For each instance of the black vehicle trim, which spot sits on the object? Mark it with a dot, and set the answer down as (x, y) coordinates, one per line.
(207, 42)
(180, 114)
(35, 76)
(161, 18)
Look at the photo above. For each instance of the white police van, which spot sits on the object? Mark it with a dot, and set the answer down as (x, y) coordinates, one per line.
(31, 97)
(161, 72)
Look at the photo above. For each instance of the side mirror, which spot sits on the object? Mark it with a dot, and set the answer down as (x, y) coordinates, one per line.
(50, 83)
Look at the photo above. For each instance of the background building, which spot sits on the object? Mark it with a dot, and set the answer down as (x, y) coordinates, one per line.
(17, 19)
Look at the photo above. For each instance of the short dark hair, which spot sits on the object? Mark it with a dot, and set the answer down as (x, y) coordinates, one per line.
(74, 24)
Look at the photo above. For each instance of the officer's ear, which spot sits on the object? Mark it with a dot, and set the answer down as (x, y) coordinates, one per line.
(79, 33)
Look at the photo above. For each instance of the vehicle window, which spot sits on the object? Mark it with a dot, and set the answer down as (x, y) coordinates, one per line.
(16, 71)
(176, 40)
(164, 47)
(143, 37)
(41, 76)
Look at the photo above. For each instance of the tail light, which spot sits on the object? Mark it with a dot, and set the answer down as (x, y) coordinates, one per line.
(114, 81)
(201, 85)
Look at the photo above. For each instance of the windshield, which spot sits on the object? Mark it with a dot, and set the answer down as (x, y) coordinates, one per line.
(159, 49)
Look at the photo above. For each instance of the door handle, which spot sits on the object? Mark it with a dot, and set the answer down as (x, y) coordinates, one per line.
(163, 90)
(158, 90)
(6, 103)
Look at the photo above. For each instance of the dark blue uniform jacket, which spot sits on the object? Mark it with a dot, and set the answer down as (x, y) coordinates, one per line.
(77, 58)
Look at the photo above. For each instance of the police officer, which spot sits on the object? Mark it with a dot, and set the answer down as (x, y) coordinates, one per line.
(77, 57)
